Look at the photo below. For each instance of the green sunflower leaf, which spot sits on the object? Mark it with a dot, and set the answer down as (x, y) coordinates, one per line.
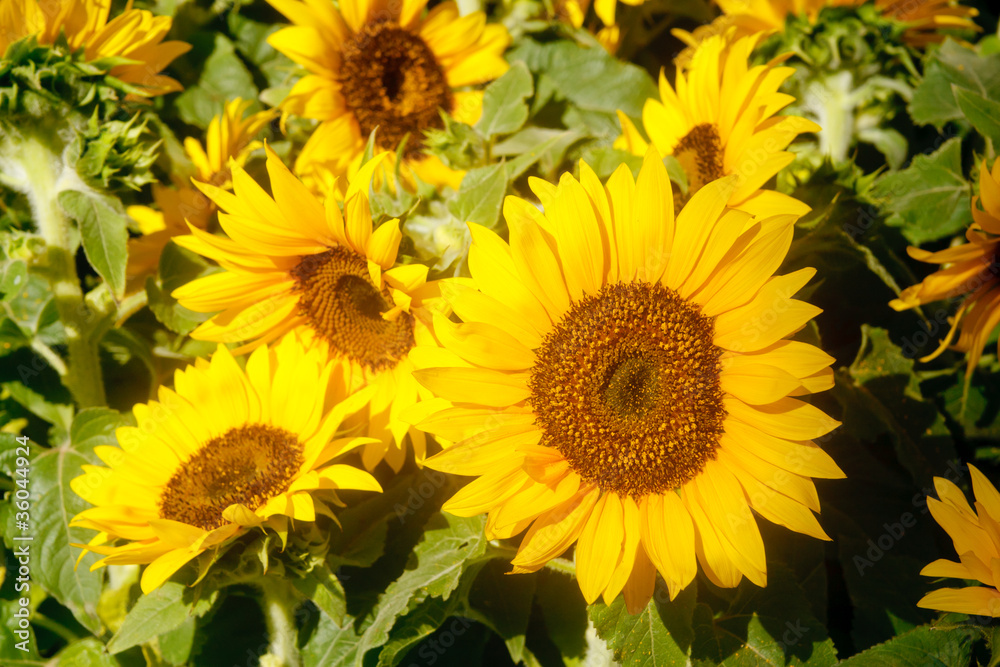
(449, 546)
(984, 114)
(762, 626)
(54, 504)
(886, 401)
(177, 267)
(44, 407)
(322, 587)
(104, 230)
(159, 612)
(13, 278)
(223, 77)
(503, 603)
(330, 644)
(976, 409)
(590, 78)
(481, 195)
(176, 645)
(951, 66)
(89, 651)
(928, 200)
(565, 613)
(504, 109)
(430, 617)
(11, 644)
(661, 634)
(925, 645)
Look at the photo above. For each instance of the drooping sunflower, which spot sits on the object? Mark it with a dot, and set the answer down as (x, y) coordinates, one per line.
(924, 18)
(976, 535)
(375, 64)
(720, 119)
(135, 34)
(294, 264)
(971, 270)
(230, 136)
(224, 451)
(621, 381)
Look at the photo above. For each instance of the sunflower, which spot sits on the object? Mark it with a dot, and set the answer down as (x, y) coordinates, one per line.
(923, 18)
(622, 382)
(720, 120)
(976, 535)
(224, 451)
(374, 64)
(972, 270)
(292, 264)
(134, 34)
(230, 137)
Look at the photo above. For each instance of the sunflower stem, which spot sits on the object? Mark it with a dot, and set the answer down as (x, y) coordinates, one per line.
(131, 305)
(54, 627)
(34, 166)
(832, 103)
(279, 606)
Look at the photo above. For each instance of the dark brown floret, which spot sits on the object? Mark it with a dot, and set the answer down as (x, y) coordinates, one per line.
(248, 465)
(391, 80)
(343, 306)
(626, 387)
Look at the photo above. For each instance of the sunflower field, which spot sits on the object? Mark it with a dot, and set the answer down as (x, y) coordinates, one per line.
(460, 333)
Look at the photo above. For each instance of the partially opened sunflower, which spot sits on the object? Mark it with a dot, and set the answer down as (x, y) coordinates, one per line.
(223, 451)
(971, 270)
(135, 34)
(976, 535)
(614, 384)
(386, 65)
(295, 264)
(231, 136)
(720, 119)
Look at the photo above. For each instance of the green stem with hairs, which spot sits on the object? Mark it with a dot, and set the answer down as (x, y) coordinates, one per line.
(279, 604)
(832, 102)
(34, 167)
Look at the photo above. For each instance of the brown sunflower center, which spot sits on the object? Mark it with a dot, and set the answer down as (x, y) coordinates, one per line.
(343, 306)
(700, 154)
(626, 387)
(391, 80)
(248, 465)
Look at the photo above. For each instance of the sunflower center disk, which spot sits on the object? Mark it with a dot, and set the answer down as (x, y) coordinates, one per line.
(700, 154)
(626, 387)
(343, 306)
(391, 80)
(247, 465)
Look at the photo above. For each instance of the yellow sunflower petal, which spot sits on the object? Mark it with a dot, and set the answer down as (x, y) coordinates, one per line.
(554, 531)
(974, 600)
(669, 539)
(599, 547)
